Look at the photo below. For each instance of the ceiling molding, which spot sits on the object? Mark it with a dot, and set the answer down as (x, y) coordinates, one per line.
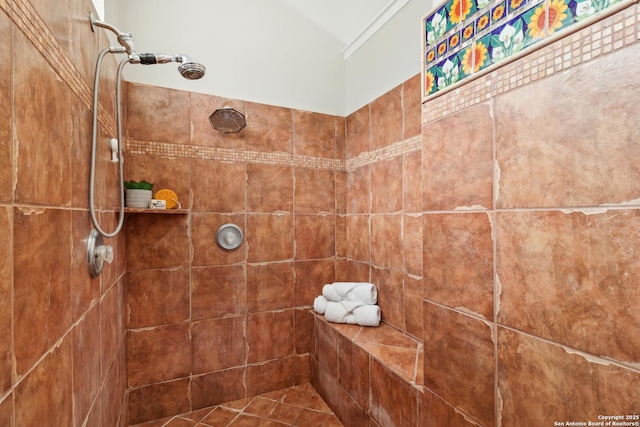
(378, 22)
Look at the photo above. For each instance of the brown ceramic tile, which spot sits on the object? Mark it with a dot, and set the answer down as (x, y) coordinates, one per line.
(353, 271)
(557, 158)
(460, 361)
(218, 344)
(341, 236)
(6, 291)
(314, 236)
(386, 241)
(157, 401)
(390, 295)
(326, 346)
(273, 375)
(269, 286)
(269, 128)
(6, 412)
(358, 190)
(458, 261)
(114, 390)
(269, 237)
(310, 418)
(454, 175)
(6, 146)
(341, 192)
(358, 134)
(397, 408)
(386, 119)
(220, 417)
(218, 387)
(269, 335)
(302, 368)
(310, 276)
(269, 188)
(158, 354)
(80, 155)
(157, 241)
(86, 367)
(39, 162)
(412, 182)
(412, 106)
(353, 367)
(158, 297)
(201, 106)
(260, 406)
(169, 173)
(314, 191)
(565, 268)
(386, 186)
(303, 324)
(203, 231)
(435, 412)
(112, 325)
(36, 234)
(314, 134)
(542, 382)
(45, 393)
(412, 244)
(149, 108)
(285, 413)
(358, 237)
(217, 292)
(218, 186)
(413, 305)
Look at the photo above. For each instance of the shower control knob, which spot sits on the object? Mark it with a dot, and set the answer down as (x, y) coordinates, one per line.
(230, 238)
(105, 253)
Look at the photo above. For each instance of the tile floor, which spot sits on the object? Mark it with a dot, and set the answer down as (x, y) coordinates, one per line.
(295, 406)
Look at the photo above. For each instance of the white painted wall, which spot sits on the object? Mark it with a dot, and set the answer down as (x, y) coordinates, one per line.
(391, 56)
(268, 52)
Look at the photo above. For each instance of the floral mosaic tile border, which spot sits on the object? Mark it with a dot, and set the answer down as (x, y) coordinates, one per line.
(614, 32)
(464, 37)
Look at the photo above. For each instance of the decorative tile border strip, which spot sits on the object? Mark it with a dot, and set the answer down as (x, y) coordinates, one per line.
(25, 17)
(162, 149)
(229, 155)
(600, 38)
(465, 39)
(392, 151)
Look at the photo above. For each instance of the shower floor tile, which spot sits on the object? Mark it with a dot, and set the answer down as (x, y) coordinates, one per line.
(296, 406)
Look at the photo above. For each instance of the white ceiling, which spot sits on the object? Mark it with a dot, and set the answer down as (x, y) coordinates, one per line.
(345, 19)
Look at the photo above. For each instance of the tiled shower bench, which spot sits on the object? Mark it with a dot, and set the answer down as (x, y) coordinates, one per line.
(368, 374)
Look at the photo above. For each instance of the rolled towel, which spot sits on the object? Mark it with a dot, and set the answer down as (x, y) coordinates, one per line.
(351, 291)
(354, 313)
(320, 304)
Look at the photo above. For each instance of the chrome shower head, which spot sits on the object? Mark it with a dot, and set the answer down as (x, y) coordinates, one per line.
(189, 68)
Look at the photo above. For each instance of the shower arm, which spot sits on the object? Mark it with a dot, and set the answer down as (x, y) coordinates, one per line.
(125, 39)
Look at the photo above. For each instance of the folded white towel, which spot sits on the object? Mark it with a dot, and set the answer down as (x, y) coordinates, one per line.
(320, 304)
(355, 313)
(351, 291)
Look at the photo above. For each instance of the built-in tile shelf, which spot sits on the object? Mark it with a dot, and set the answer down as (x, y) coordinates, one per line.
(156, 211)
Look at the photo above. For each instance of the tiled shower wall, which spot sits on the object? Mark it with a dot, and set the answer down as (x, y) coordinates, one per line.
(62, 347)
(531, 217)
(205, 325)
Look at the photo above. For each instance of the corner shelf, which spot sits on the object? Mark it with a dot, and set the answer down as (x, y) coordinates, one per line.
(156, 211)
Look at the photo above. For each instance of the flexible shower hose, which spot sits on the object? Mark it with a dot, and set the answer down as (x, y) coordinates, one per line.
(94, 137)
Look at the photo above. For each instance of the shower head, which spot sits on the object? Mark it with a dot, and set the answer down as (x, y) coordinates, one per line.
(227, 120)
(189, 68)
